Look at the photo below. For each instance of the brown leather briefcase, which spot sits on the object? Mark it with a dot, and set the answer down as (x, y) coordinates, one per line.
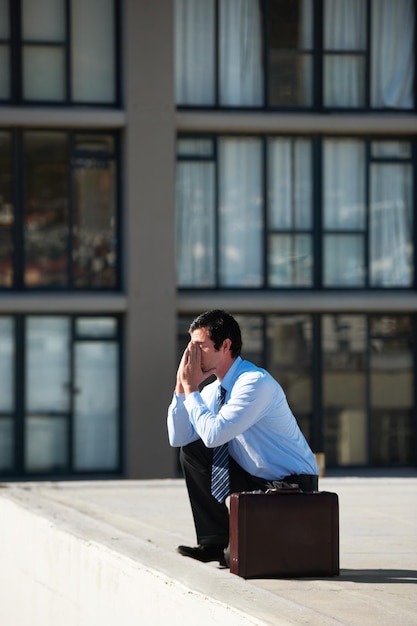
(284, 534)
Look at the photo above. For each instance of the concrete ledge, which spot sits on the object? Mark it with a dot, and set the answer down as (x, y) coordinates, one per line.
(57, 568)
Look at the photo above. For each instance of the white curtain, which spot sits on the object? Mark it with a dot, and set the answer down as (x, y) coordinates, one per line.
(344, 74)
(195, 224)
(289, 209)
(344, 184)
(391, 57)
(343, 211)
(240, 65)
(391, 225)
(194, 52)
(289, 183)
(392, 53)
(240, 206)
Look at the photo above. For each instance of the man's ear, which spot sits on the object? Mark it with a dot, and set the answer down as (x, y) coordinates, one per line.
(227, 344)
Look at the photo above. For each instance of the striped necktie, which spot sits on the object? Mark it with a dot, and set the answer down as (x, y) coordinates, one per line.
(220, 485)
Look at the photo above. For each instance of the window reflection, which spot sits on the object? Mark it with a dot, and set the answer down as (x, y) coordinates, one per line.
(391, 390)
(94, 219)
(344, 346)
(46, 209)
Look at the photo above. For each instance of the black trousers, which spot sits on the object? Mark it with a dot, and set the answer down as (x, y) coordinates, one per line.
(211, 518)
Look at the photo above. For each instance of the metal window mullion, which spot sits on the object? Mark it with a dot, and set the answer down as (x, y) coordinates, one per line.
(265, 50)
(317, 426)
(368, 72)
(68, 48)
(216, 213)
(265, 211)
(367, 202)
(71, 393)
(317, 211)
(318, 55)
(368, 376)
(414, 206)
(216, 54)
(70, 211)
(20, 393)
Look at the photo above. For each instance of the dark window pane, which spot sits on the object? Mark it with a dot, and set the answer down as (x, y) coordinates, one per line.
(289, 344)
(344, 389)
(6, 212)
(290, 68)
(391, 390)
(94, 214)
(45, 214)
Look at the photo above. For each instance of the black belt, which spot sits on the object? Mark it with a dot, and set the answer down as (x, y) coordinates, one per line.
(306, 482)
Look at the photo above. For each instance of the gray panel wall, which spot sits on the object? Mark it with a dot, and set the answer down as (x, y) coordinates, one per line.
(149, 236)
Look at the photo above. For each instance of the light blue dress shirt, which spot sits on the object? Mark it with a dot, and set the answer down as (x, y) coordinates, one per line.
(263, 434)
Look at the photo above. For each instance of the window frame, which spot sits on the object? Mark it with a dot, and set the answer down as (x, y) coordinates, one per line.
(318, 230)
(319, 55)
(18, 254)
(18, 471)
(317, 414)
(16, 70)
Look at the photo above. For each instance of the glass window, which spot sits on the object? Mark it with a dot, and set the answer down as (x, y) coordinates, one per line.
(7, 393)
(391, 391)
(43, 34)
(62, 52)
(94, 216)
(195, 214)
(61, 413)
(195, 48)
(345, 53)
(391, 225)
(349, 380)
(47, 364)
(240, 212)
(344, 345)
(46, 209)
(290, 212)
(261, 212)
(4, 50)
(93, 68)
(96, 327)
(96, 409)
(7, 355)
(240, 51)
(6, 444)
(335, 54)
(46, 447)
(6, 211)
(289, 352)
(392, 54)
(344, 213)
(66, 233)
(289, 52)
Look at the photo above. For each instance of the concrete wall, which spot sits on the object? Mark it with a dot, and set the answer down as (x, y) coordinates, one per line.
(62, 573)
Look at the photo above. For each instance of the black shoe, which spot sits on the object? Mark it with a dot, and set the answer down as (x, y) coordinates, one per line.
(204, 554)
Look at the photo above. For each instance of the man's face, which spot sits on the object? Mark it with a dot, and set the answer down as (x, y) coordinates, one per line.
(211, 359)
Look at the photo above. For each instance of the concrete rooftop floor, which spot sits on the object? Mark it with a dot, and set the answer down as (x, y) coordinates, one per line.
(146, 520)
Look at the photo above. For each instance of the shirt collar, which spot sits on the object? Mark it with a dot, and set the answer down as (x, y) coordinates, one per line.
(231, 372)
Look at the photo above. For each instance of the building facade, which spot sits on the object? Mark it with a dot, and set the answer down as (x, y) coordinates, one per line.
(176, 156)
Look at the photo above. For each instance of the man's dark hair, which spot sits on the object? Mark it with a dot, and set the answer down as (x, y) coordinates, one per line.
(220, 326)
